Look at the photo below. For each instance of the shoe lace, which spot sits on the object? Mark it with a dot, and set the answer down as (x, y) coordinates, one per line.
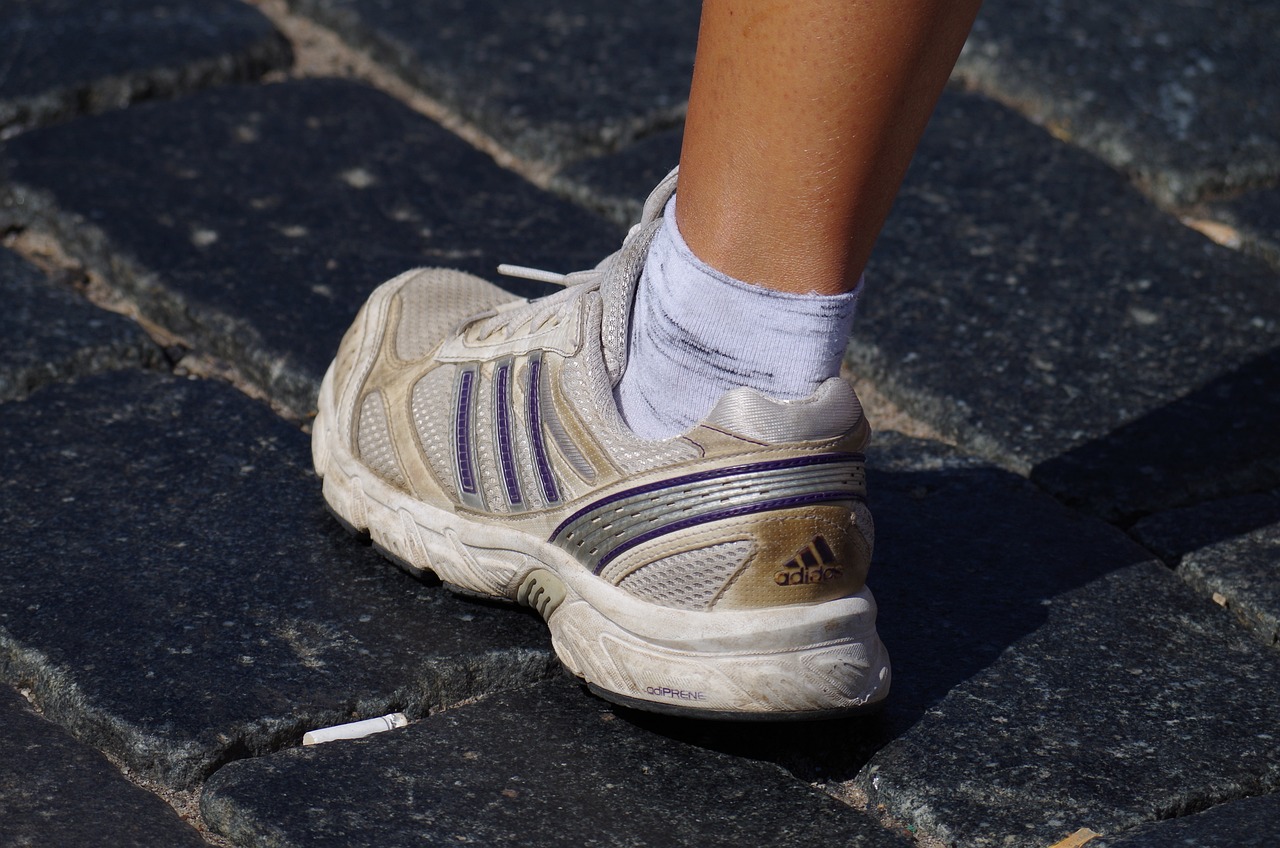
(539, 314)
(524, 272)
(574, 278)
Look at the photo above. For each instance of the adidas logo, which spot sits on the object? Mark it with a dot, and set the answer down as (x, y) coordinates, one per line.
(814, 564)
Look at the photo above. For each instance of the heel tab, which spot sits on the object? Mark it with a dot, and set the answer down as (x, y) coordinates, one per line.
(830, 412)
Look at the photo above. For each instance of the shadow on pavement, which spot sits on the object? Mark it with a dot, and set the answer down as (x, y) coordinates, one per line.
(969, 558)
(1219, 440)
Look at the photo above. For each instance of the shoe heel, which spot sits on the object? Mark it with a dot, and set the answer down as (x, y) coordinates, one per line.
(791, 663)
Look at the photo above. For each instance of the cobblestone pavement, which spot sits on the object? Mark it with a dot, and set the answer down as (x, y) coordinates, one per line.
(1077, 296)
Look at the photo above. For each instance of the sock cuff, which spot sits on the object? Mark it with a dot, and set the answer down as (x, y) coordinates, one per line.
(736, 333)
(671, 228)
(697, 333)
(786, 342)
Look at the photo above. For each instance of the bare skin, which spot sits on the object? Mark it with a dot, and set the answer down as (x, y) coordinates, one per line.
(803, 117)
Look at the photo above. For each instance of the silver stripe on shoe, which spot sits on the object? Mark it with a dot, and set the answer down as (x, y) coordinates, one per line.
(607, 528)
(503, 437)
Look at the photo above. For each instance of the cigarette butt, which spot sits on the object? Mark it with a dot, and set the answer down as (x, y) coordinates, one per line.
(1080, 837)
(356, 729)
(1223, 234)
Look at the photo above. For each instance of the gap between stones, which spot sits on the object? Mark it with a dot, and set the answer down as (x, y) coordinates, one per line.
(57, 699)
(46, 251)
(320, 52)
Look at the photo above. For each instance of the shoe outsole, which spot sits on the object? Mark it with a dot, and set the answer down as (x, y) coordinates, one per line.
(676, 711)
(807, 662)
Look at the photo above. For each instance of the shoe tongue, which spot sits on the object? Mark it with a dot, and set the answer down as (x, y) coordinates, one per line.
(618, 290)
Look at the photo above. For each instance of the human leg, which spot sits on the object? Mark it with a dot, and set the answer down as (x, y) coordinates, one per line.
(802, 120)
(803, 117)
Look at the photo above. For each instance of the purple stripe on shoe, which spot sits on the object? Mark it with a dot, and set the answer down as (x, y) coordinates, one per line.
(717, 515)
(548, 480)
(502, 410)
(713, 474)
(462, 433)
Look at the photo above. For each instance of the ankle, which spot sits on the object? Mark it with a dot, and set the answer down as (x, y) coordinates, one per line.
(697, 333)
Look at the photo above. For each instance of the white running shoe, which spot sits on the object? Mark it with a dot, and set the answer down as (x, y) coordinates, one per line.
(720, 573)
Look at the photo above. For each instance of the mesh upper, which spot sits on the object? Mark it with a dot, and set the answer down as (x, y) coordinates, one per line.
(619, 291)
(433, 419)
(373, 438)
(689, 580)
(434, 302)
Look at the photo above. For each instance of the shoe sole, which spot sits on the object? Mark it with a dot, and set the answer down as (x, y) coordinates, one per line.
(802, 662)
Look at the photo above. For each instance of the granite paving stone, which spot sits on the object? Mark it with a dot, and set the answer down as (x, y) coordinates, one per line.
(55, 791)
(550, 81)
(1031, 305)
(1248, 823)
(1184, 95)
(1243, 574)
(547, 766)
(616, 185)
(51, 333)
(255, 221)
(1173, 534)
(173, 592)
(59, 58)
(1136, 700)
(1228, 550)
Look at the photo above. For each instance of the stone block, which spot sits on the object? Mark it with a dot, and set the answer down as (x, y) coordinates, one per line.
(173, 592)
(1248, 823)
(1181, 95)
(540, 767)
(52, 334)
(617, 184)
(550, 81)
(1131, 699)
(255, 221)
(65, 57)
(1030, 304)
(56, 791)
(1229, 551)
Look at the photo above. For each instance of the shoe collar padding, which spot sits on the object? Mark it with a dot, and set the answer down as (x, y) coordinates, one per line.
(622, 276)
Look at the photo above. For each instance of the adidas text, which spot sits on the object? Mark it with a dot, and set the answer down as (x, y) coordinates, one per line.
(814, 564)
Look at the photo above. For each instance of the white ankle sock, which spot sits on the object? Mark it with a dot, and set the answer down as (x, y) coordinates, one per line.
(697, 333)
